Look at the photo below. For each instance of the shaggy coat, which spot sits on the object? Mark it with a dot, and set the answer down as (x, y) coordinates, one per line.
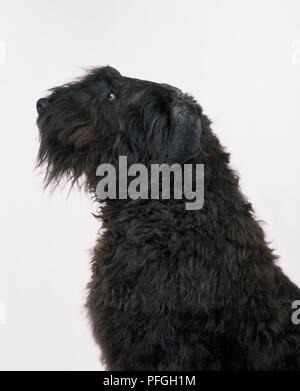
(171, 289)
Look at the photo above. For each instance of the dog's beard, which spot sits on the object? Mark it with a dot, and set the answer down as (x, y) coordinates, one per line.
(61, 163)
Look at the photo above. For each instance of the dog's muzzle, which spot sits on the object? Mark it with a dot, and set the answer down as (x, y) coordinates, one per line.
(41, 105)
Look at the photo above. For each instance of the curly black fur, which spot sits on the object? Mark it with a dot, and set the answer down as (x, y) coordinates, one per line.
(171, 289)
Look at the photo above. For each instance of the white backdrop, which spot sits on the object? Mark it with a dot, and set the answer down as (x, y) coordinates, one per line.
(239, 58)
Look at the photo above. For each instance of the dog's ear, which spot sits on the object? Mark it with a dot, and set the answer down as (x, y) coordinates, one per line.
(184, 135)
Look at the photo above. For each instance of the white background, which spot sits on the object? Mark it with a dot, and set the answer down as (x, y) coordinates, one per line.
(239, 58)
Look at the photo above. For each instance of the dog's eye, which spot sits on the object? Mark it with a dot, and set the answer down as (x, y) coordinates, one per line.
(111, 96)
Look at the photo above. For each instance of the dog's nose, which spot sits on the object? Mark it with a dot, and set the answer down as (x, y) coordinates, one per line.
(41, 105)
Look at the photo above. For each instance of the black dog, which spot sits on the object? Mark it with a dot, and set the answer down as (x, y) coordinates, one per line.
(171, 289)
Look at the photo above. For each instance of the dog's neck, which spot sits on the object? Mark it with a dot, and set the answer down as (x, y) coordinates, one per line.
(225, 214)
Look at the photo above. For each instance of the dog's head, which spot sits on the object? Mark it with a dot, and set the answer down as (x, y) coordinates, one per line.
(105, 115)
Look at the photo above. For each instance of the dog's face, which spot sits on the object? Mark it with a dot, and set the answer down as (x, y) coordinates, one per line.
(104, 115)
